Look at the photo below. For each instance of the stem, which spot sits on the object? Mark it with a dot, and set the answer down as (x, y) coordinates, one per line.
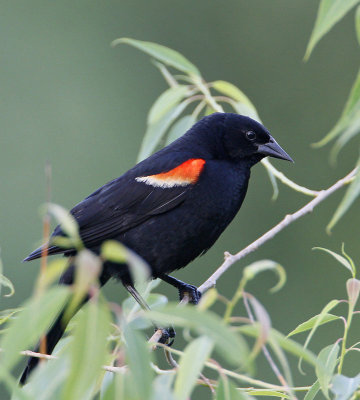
(288, 219)
(232, 303)
(286, 181)
(346, 330)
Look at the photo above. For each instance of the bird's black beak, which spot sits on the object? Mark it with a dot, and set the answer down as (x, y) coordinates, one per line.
(272, 149)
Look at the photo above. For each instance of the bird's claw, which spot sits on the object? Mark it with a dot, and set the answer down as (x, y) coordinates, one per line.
(167, 336)
(191, 292)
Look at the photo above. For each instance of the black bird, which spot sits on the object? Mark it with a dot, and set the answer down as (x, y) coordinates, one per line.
(171, 207)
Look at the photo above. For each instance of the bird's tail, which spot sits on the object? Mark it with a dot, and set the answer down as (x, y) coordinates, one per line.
(58, 328)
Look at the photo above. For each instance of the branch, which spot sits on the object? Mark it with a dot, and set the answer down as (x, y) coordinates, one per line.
(230, 259)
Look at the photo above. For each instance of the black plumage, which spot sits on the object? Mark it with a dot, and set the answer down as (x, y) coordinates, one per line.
(173, 206)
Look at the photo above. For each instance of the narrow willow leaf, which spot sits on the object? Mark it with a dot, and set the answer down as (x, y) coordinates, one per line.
(88, 268)
(357, 24)
(348, 115)
(344, 387)
(266, 265)
(329, 13)
(309, 324)
(351, 195)
(342, 260)
(180, 127)
(228, 89)
(226, 390)
(88, 350)
(350, 131)
(5, 315)
(47, 381)
(155, 132)
(208, 299)
(167, 100)
(310, 395)
(229, 344)
(190, 366)
(327, 360)
(287, 344)
(244, 109)
(329, 306)
(67, 222)
(262, 317)
(52, 273)
(266, 392)
(162, 387)
(24, 331)
(274, 184)
(138, 356)
(4, 281)
(113, 250)
(162, 53)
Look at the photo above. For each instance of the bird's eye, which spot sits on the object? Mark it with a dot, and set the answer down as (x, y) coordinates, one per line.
(251, 135)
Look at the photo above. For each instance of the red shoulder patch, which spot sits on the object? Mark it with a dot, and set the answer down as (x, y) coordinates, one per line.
(184, 174)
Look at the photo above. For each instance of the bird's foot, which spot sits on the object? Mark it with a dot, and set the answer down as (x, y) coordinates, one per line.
(191, 292)
(167, 335)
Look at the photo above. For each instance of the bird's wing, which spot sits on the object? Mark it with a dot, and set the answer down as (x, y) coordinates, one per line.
(127, 202)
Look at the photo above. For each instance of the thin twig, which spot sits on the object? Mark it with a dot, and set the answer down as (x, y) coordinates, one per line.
(267, 354)
(290, 218)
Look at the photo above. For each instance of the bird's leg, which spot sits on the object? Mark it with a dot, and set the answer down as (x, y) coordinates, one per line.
(184, 289)
(168, 334)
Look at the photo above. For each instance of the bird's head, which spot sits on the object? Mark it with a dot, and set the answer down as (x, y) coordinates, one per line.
(243, 137)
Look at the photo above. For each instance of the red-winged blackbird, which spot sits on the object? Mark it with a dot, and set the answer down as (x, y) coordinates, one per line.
(171, 207)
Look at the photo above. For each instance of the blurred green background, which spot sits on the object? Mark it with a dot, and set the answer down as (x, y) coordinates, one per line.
(68, 97)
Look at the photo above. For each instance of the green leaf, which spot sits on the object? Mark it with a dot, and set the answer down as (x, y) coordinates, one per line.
(167, 100)
(344, 387)
(180, 127)
(287, 344)
(310, 395)
(230, 345)
(5, 315)
(88, 268)
(47, 381)
(342, 260)
(329, 306)
(162, 387)
(208, 299)
(113, 250)
(348, 116)
(155, 132)
(309, 324)
(329, 13)
(351, 195)
(262, 317)
(266, 265)
(24, 331)
(347, 133)
(138, 356)
(4, 281)
(52, 273)
(67, 222)
(191, 365)
(266, 392)
(357, 24)
(327, 360)
(226, 390)
(274, 184)
(88, 350)
(161, 53)
(228, 89)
